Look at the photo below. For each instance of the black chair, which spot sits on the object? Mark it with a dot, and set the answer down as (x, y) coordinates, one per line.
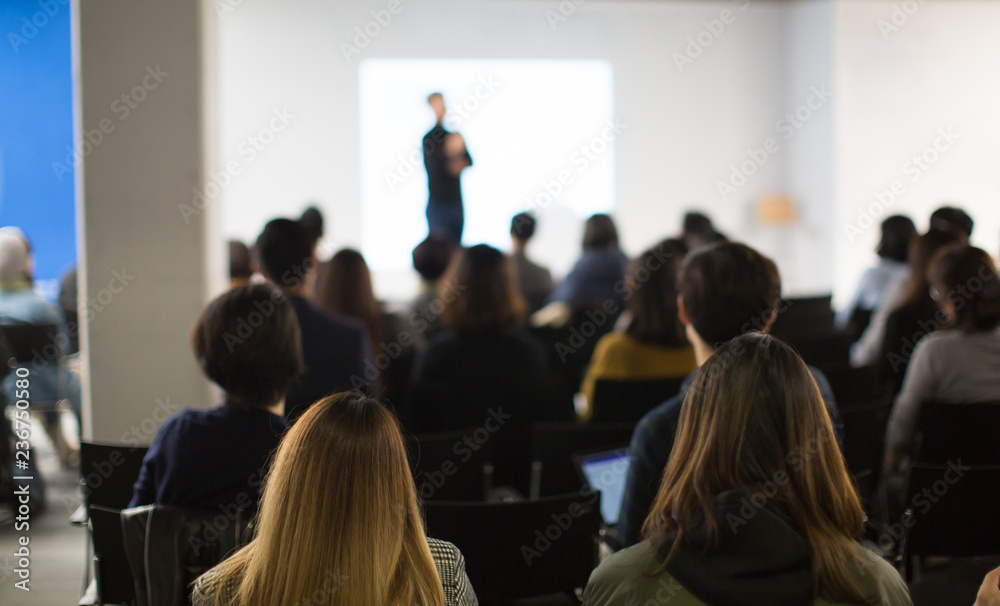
(554, 444)
(805, 314)
(452, 465)
(108, 474)
(169, 547)
(522, 549)
(952, 495)
(626, 401)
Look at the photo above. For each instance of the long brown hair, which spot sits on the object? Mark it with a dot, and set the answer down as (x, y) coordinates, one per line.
(754, 412)
(652, 300)
(967, 277)
(921, 251)
(338, 502)
(488, 297)
(345, 287)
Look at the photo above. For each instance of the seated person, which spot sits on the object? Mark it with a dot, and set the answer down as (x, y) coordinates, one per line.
(485, 369)
(334, 347)
(756, 505)
(725, 290)
(535, 281)
(597, 276)
(430, 258)
(653, 344)
(240, 265)
(217, 457)
(340, 517)
(698, 230)
(950, 218)
(888, 276)
(960, 363)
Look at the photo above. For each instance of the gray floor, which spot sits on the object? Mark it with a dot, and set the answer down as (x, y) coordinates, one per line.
(57, 548)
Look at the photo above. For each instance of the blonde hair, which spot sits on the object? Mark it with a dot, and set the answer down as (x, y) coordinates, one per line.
(339, 502)
(753, 414)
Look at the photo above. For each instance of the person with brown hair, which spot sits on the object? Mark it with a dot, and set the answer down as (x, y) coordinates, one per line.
(247, 341)
(484, 369)
(597, 276)
(960, 362)
(756, 505)
(339, 519)
(653, 344)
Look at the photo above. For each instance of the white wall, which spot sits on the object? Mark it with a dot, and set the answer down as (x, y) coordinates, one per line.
(939, 70)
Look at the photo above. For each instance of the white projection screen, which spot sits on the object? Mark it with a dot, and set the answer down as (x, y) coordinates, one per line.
(527, 124)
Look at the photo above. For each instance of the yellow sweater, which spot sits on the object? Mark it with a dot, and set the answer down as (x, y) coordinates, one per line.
(619, 356)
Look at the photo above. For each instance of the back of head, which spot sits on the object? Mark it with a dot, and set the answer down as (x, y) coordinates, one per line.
(522, 226)
(248, 342)
(240, 267)
(431, 257)
(897, 231)
(488, 298)
(312, 222)
(600, 233)
(950, 218)
(966, 277)
(728, 289)
(14, 254)
(921, 251)
(697, 223)
(345, 287)
(339, 500)
(285, 252)
(754, 419)
(652, 280)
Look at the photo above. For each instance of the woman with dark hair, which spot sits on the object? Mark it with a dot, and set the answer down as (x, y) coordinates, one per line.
(247, 342)
(917, 314)
(756, 505)
(345, 287)
(884, 280)
(483, 370)
(340, 523)
(653, 344)
(960, 362)
(598, 274)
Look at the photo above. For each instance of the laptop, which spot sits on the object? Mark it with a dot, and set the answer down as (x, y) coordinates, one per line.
(606, 471)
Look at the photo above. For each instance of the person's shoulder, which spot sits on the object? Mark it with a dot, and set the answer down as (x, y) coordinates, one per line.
(619, 572)
(878, 579)
(447, 559)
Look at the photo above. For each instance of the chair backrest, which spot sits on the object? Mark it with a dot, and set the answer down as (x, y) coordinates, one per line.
(825, 349)
(626, 401)
(112, 574)
(522, 549)
(854, 387)
(952, 489)
(864, 441)
(805, 313)
(554, 444)
(30, 341)
(109, 472)
(452, 465)
(169, 547)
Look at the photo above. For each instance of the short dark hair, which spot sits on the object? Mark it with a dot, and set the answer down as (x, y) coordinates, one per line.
(951, 218)
(897, 231)
(967, 277)
(728, 289)
(312, 221)
(522, 226)
(488, 297)
(652, 302)
(431, 257)
(697, 223)
(239, 260)
(248, 342)
(599, 232)
(285, 252)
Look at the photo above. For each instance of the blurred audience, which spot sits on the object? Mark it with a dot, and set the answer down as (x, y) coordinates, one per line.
(334, 348)
(535, 281)
(431, 258)
(653, 344)
(949, 218)
(218, 457)
(698, 230)
(484, 371)
(240, 264)
(887, 276)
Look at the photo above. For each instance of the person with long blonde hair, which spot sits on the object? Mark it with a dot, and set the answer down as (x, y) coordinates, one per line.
(755, 505)
(339, 523)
